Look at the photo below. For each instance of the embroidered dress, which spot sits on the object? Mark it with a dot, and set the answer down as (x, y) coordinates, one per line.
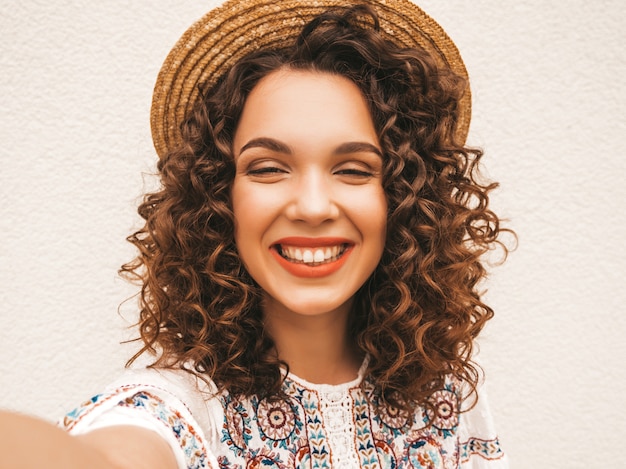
(343, 426)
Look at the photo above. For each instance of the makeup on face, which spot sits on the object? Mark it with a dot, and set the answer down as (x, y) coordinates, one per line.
(309, 206)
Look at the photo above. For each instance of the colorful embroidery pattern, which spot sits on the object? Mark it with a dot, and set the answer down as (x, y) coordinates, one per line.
(277, 420)
(236, 431)
(319, 452)
(444, 414)
(295, 433)
(487, 449)
(424, 453)
(366, 445)
(73, 417)
(190, 442)
(313, 428)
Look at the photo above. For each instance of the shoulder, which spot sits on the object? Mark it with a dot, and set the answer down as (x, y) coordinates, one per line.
(195, 393)
(134, 387)
(176, 404)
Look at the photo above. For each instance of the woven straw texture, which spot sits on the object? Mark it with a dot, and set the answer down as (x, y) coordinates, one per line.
(227, 33)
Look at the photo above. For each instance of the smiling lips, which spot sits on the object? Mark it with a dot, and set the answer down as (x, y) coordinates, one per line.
(311, 257)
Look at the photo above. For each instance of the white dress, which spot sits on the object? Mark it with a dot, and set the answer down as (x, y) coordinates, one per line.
(342, 426)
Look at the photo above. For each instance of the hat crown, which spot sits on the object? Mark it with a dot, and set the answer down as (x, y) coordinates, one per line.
(238, 27)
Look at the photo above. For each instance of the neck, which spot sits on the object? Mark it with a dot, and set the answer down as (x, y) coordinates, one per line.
(316, 347)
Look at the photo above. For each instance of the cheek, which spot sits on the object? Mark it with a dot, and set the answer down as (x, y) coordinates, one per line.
(245, 200)
(373, 212)
(369, 214)
(254, 207)
(242, 201)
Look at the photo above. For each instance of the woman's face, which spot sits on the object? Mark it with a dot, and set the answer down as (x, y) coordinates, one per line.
(309, 206)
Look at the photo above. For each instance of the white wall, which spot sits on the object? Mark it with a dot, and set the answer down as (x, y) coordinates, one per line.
(549, 96)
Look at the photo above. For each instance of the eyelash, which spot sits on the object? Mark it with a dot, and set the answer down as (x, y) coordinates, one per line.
(354, 172)
(274, 170)
(267, 170)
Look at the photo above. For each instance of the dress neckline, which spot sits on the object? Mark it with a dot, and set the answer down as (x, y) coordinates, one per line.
(326, 388)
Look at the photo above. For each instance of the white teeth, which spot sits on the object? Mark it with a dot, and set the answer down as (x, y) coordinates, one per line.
(318, 256)
(312, 255)
(307, 256)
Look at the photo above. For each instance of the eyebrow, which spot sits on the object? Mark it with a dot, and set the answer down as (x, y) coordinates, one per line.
(280, 147)
(269, 143)
(357, 147)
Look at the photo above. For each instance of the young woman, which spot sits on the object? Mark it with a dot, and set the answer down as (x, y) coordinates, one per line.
(309, 265)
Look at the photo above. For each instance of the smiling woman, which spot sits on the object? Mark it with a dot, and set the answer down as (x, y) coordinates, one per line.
(309, 264)
(311, 205)
(310, 210)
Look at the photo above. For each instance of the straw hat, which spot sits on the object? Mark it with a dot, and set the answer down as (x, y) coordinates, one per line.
(227, 33)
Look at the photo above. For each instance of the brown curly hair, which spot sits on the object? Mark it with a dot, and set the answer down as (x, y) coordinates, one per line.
(419, 312)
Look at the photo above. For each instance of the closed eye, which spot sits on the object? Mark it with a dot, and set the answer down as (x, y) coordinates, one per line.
(266, 170)
(354, 172)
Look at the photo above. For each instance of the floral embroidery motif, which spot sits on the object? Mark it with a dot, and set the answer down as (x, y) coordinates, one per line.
(444, 414)
(394, 418)
(305, 430)
(262, 461)
(425, 453)
(276, 424)
(487, 449)
(236, 432)
(386, 455)
(391, 419)
(277, 420)
(295, 433)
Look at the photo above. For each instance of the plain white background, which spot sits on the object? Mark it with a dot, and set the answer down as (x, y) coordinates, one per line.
(549, 97)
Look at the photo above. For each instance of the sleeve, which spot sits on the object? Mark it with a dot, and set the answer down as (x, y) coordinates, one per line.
(479, 442)
(150, 407)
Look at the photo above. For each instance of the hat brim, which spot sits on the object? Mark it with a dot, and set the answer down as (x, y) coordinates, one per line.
(227, 33)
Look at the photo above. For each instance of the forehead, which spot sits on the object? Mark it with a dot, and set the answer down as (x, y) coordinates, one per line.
(304, 87)
(305, 106)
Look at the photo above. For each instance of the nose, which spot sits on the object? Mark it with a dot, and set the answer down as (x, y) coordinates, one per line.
(312, 200)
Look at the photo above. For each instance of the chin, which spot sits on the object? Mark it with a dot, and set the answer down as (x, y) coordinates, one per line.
(310, 307)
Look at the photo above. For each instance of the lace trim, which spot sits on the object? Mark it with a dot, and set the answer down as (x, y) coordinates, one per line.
(336, 405)
(337, 410)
